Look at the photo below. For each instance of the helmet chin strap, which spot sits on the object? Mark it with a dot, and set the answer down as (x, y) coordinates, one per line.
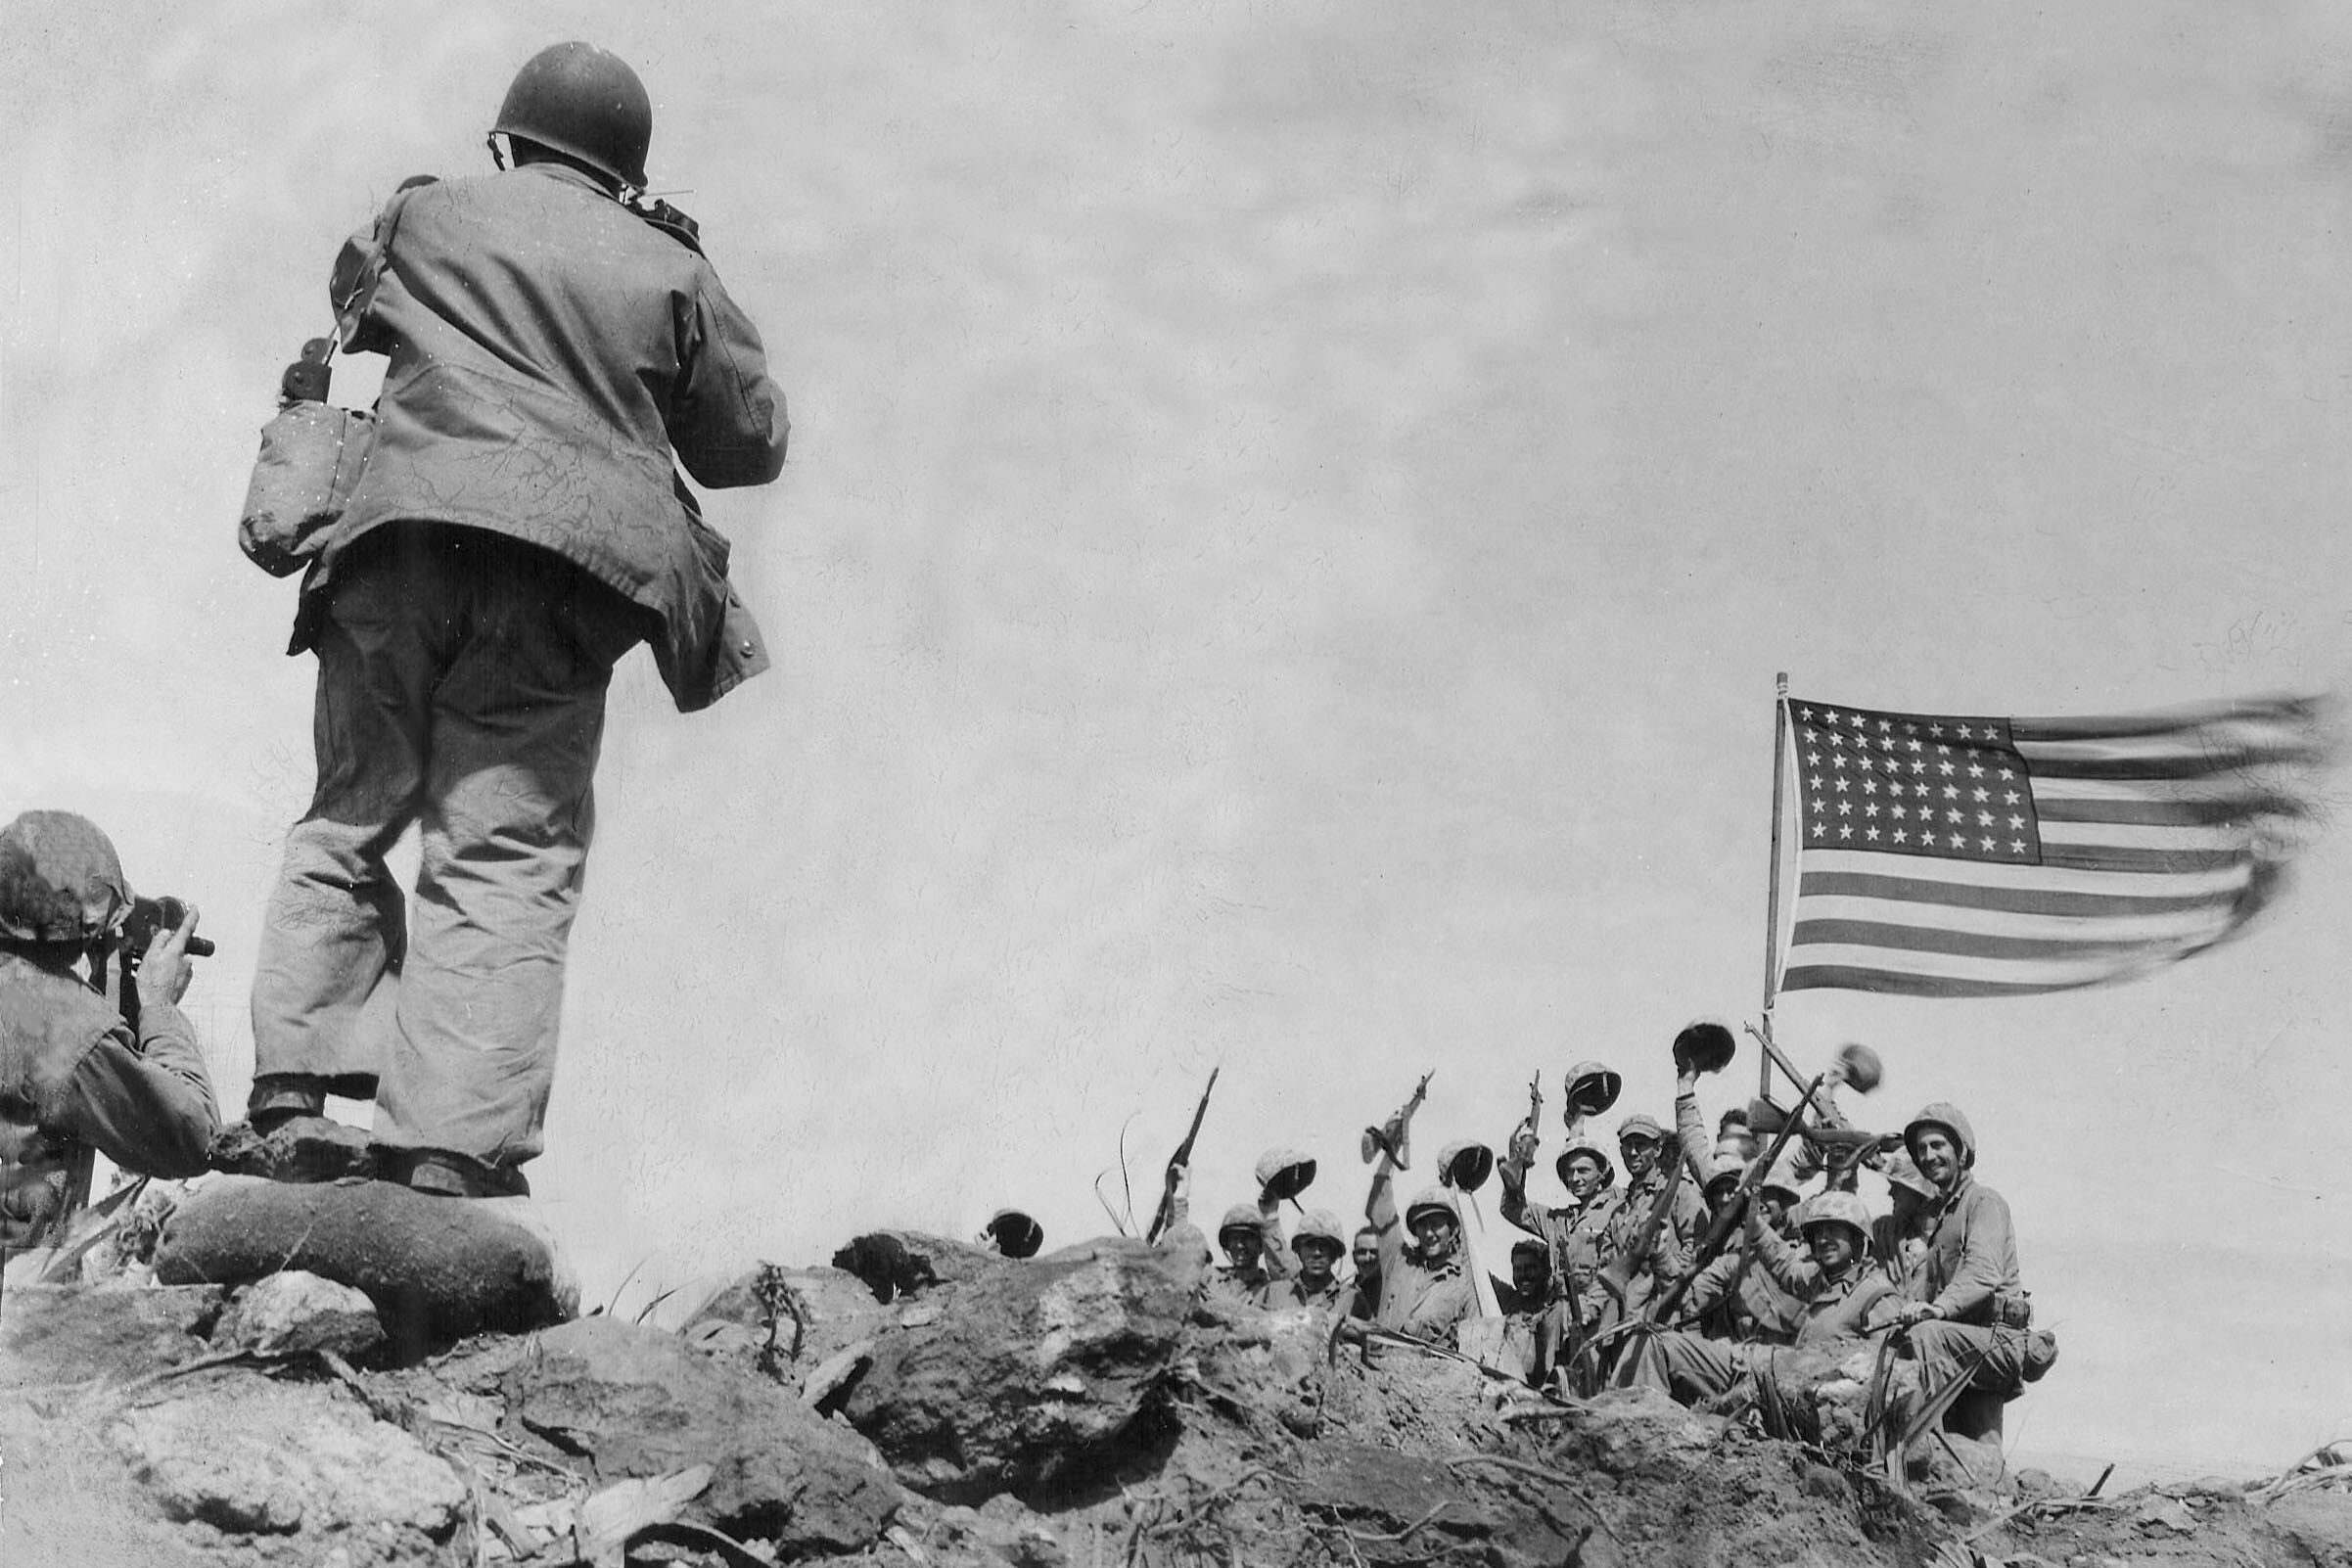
(497, 153)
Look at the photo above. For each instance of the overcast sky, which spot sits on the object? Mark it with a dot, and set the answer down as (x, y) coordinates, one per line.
(1294, 515)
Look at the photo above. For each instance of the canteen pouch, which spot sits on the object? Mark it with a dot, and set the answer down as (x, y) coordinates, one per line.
(312, 454)
(2012, 1308)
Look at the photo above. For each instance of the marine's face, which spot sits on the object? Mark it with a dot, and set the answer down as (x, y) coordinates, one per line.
(1367, 1254)
(1832, 1246)
(1775, 1206)
(1640, 1157)
(1583, 1177)
(1317, 1257)
(1241, 1246)
(1435, 1233)
(1529, 1272)
(1937, 1154)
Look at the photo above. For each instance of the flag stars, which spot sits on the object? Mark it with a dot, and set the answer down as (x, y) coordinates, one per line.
(1870, 834)
(1951, 792)
(1937, 730)
(2015, 820)
(1980, 795)
(1845, 807)
(1902, 837)
(1842, 785)
(1988, 843)
(1830, 716)
(1845, 830)
(1985, 819)
(1976, 769)
(2011, 797)
(1960, 841)
(1965, 732)
(1944, 768)
(1869, 808)
(2017, 846)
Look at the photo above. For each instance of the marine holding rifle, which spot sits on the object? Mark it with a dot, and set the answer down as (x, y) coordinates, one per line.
(80, 1073)
(554, 341)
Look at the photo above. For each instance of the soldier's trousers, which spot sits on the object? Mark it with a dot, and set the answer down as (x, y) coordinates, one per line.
(1688, 1366)
(461, 687)
(1943, 1349)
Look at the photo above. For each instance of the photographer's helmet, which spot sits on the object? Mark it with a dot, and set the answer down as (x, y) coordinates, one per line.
(584, 101)
(60, 880)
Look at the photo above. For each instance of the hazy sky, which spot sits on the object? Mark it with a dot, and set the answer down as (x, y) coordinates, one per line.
(1293, 518)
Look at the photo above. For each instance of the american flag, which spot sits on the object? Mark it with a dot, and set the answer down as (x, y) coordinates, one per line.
(1968, 856)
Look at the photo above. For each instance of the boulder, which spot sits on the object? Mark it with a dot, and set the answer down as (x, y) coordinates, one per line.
(435, 1269)
(636, 1403)
(1026, 1373)
(73, 1334)
(837, 1310)
(251, 1456)
(294, 1314)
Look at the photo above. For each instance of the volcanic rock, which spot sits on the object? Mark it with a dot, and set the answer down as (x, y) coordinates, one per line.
(1040, 1371)
(435, 1269)
(72, 1333)
(636, 1402)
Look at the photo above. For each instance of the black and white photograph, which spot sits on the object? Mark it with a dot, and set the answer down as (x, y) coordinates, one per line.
(1182, 782)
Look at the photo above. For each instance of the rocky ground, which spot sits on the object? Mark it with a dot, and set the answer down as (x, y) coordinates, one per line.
(924, 1402)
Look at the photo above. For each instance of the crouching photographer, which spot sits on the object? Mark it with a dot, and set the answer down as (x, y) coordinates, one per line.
(85, 1067)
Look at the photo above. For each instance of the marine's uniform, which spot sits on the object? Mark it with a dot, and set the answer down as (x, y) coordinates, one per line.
(74, 1079)
(518, 527)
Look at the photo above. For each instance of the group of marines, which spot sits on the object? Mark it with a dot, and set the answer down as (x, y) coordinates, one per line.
(1687, 1286)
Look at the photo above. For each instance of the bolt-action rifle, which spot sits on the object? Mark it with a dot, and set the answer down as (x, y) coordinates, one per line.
(1178, 1162)
(1729, 1215)
(1394, 1137)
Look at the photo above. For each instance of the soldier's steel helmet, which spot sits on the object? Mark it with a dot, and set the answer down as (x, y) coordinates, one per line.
(1431, 1201)
(1287, 1172)
(1017, 1235)
(585, 101)
(60, 880)
(1320, 1224)
(1593, 1151)
(1241, 1216)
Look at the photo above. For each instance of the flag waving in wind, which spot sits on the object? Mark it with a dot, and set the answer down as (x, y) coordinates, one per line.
(1952, 856)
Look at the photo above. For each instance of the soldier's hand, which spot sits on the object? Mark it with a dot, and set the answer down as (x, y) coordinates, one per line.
(1915, 1312)
(1523, 1146)
(163, 969)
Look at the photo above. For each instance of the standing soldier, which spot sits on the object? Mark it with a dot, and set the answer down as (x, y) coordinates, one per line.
(74, 1076)
(1576, 1233)
(519, 526)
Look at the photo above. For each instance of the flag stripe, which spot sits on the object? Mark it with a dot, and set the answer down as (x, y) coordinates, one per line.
(2116, 843)
(2089, 945)
(1932, 899)
(1905, 983)
(2154, 764)
(2187, 916)
(2144, 812)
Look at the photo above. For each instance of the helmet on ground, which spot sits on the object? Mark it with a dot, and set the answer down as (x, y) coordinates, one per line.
(60, 880)
(1704, 1046)
(1836, 1208)
(1466, 1164)
(1241, 1216)
(1015, 1233)
(585, 101)
(1320, 1224)
(1431, 1201)
(1901, 1172)
(1590, 1150)
(1948, 1118)
(1592, 1090)
(1286, 1172)
(1641, 1124)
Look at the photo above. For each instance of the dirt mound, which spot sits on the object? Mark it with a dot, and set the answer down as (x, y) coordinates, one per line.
(943, 1407)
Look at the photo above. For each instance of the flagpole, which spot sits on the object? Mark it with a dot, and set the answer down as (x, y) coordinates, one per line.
(1771, 897)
